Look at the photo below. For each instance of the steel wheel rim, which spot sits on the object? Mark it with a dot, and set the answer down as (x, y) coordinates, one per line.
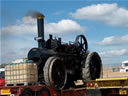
(57, 75)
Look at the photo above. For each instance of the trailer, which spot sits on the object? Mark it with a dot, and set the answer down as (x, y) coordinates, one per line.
(108, 87)
(22, 80)
(98, 87)
(40, 90)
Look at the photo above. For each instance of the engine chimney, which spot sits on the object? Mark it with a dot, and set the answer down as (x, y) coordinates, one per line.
(40, 25)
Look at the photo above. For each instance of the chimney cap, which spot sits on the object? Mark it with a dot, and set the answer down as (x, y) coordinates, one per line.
(40, 17)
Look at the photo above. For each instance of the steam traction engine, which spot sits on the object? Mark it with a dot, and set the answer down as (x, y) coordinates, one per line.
(60, 64)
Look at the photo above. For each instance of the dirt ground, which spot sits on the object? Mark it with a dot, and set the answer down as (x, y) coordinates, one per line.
(115, 74)
(107, 73)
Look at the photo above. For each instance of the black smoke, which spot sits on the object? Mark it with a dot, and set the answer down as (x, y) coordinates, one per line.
(34, 14)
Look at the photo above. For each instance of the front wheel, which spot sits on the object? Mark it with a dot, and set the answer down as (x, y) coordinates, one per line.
(92, 67)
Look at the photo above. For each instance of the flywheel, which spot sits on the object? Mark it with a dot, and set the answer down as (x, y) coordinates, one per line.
(55, 74)
(82, 45)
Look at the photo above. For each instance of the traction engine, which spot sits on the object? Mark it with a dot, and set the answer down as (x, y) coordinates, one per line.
(60, 64)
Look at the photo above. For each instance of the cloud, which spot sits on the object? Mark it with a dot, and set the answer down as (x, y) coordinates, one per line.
(28, 20)
(25, 26)
(114, 40)
(110, 14)
(64, 26)
(114, 53)
(113, 50)
(28, 26)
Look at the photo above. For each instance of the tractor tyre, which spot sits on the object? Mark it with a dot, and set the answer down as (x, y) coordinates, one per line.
(55, 74)
(92, 67)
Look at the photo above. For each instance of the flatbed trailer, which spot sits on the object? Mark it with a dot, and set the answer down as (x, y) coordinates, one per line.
(108, 86)
(98, 87)
(40, 90)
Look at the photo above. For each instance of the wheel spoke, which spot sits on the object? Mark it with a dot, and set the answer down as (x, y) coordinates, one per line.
(82, 45)
(81, 40)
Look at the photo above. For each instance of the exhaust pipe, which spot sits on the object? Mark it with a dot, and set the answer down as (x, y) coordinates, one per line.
(40, 25)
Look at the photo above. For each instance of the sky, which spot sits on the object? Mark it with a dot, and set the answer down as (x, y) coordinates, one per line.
(104, 23)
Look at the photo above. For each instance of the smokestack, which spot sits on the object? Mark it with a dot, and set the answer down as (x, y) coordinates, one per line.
(40, 25)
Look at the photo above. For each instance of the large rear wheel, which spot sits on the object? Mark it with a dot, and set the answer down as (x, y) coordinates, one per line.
(92, 67)
(55, 74)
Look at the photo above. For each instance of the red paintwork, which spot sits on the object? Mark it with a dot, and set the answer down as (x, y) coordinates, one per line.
(2, 77)
(43, 94)
(17, 90)
(2, 82)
